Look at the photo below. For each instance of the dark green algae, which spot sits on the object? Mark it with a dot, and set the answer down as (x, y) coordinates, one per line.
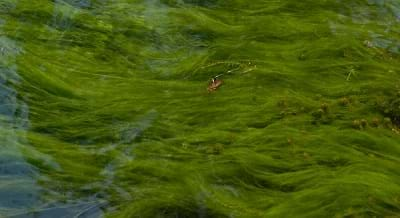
(104, 109)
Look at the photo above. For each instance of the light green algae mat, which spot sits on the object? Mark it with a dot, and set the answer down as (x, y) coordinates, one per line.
(105, 112)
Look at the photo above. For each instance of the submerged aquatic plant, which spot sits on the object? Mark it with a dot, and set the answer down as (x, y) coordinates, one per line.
(390, 107)
(104, 112)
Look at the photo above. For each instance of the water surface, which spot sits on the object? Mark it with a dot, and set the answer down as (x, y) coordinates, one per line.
(104, 108)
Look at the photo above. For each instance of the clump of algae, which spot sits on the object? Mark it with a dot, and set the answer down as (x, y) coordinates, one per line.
(119, 112)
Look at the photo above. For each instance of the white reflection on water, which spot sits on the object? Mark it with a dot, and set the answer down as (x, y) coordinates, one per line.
(18, 185)
(62, 15)
(78, 3)
(128, 133)
(21, 195)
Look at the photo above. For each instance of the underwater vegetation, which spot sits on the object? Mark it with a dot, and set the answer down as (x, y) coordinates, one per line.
(199, 108)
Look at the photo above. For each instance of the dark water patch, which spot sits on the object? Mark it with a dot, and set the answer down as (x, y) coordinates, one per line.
(201, 3)
(15, 167)
(76, 3)
(199, 35)
(334, 163)
(23, 193)
(389, 106)
(393, 207)
(87, 210)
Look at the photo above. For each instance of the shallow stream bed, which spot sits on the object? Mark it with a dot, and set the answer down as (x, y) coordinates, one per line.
(108, 109)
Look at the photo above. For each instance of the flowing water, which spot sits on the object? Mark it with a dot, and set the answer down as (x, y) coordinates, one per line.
(104, 108)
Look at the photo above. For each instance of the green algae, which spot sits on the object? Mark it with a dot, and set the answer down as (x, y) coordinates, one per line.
(105, 110)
